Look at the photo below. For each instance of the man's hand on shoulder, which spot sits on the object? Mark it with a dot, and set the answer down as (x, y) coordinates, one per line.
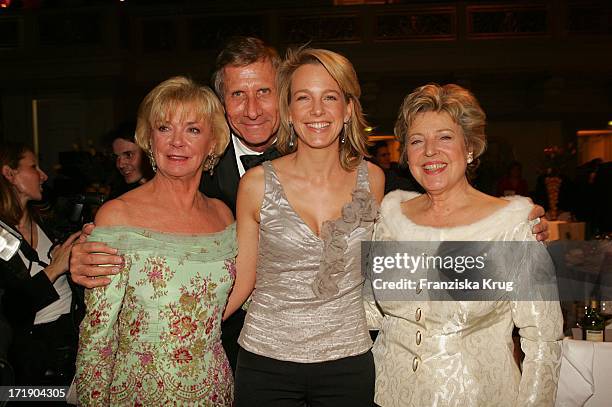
(540, 229)
(90, 262)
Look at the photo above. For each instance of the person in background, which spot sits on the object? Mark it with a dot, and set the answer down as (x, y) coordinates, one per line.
(41, 305)
(394, 178)
(459, 353)
(513, 182)
(301, 219)
(381, 155)
(153, 336)
(244, 80)
(130, 160)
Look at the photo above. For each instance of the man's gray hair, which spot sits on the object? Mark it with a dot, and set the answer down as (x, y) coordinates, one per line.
(241, 51)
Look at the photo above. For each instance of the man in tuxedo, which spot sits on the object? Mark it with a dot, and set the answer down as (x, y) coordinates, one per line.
(245, 82)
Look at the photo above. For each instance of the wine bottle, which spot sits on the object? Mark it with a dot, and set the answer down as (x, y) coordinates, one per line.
(593, 324)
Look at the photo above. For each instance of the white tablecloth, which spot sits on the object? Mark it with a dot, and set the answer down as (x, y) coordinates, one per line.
(586, 374)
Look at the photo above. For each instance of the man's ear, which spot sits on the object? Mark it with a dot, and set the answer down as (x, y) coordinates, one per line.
(8, 173)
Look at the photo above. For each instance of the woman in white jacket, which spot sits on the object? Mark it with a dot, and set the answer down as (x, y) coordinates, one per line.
(458, 353)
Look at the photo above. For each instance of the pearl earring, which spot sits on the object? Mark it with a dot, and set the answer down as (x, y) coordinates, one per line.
(470, 157)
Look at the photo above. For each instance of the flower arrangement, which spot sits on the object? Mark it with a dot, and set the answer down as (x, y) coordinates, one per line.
(556, 159)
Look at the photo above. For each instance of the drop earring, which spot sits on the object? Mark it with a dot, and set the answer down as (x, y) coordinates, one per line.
(152, 160)
(470, 157)
(210, 162)
(343, 138)
(291, 136)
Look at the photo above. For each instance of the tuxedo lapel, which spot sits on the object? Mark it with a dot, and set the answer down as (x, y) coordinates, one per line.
(223, 184)
(228, 176)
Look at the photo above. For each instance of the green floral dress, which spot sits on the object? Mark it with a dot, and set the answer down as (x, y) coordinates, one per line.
(153, 336)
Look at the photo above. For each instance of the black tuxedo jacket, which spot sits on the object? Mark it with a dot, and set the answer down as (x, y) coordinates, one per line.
(223, 184)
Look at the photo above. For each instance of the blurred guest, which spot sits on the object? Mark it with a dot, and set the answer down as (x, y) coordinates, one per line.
(153, 335)
(458, 352)
(130, 160)
(39, 302)
(395, 178)
(513, 182)
(301, 220)
(381, 155)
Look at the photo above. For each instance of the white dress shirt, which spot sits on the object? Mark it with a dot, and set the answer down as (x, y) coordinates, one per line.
(239, 150)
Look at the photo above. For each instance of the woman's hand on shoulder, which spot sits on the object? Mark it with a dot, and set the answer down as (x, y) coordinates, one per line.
(377, 181)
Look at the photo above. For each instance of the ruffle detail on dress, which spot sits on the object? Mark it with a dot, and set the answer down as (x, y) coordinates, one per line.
(361, 211)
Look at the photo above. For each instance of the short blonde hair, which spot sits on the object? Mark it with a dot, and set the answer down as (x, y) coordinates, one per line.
(169, 98)
(341, 70)
(460, 104)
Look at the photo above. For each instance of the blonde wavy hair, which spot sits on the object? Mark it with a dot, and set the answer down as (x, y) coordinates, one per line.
(460, 104)
(172, 97)
(341, 70)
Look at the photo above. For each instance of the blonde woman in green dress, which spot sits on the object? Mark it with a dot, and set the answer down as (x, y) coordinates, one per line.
(152, 337)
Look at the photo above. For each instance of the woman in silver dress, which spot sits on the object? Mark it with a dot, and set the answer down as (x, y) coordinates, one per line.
(301, 219)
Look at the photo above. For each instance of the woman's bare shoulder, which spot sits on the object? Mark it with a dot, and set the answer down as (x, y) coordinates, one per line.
(252, 179)
(222, 211)
(377, 181)
(113, 213)
(123, 211)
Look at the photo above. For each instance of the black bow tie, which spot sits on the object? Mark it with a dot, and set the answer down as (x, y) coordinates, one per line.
(253, 160)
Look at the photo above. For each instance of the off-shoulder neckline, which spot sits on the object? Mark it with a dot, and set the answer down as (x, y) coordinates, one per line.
(153, 232)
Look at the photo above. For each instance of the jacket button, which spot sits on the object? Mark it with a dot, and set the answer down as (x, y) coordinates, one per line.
(418, 337)
(417, 314)
(415, 363)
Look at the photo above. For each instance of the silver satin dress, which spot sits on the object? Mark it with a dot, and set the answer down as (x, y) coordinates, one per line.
(307, 305)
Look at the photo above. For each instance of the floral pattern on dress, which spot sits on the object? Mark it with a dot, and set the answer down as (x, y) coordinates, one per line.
(157, 273)
(153, 336)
